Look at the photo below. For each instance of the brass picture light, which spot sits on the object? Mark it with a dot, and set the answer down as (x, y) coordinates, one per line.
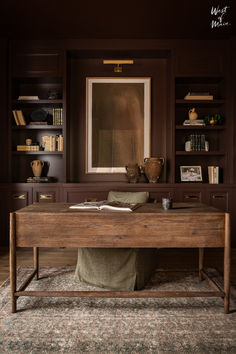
(118, 64)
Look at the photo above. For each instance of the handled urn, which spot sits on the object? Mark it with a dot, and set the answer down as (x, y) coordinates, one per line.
(37, 166)
(153, 168)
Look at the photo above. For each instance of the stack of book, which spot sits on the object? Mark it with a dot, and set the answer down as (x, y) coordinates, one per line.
(194, 122)
(198, 96)
(28, 98)
(19, 117)
(197, 142)
(52, 142)
(57, 116)
(37, 179)
(213, 174)
(28, 148)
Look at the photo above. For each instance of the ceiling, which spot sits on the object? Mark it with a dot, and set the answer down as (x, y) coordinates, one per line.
(115, 19)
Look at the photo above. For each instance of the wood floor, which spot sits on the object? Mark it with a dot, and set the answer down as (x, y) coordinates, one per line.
(168, 258)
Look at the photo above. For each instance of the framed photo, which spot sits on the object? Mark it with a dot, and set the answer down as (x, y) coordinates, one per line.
(117, 123)
(191, 173)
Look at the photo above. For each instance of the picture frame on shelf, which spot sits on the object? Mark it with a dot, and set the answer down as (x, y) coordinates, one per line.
(191, 173)
(117, 123)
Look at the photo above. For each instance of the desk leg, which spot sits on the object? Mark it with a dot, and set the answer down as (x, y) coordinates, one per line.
(36, 262)
(227, 250)
(13, 261)
(200, 262)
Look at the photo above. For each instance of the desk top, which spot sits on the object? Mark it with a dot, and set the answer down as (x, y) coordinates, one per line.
(178, 208)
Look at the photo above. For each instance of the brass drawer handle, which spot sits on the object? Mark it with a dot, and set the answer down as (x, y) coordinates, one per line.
(19, 196)
(46, 196)
(218, 196)
(187, 196)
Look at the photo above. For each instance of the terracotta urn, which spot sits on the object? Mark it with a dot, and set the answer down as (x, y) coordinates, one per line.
(37, 166)
(153, 168)
(192, 114)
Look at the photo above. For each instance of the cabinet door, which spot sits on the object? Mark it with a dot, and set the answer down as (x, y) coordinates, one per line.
(219, 199)
(78, 196)
(188, 195)
(46, 194)
(20, 196)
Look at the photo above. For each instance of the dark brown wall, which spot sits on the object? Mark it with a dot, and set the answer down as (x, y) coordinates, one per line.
(156, 68)
(3, 110)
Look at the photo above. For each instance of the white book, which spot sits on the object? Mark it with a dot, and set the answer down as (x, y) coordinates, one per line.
(28, 98)
(104, 205)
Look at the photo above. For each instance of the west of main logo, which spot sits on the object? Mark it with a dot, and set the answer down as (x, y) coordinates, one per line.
(219, 14)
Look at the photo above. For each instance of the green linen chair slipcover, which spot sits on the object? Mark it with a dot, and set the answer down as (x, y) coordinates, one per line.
(117, 268)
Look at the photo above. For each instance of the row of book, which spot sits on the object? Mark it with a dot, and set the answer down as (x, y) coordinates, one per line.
(196, 142)
(213, 174)
(52, 142)
(19, 117)
(28, 148)
(57, 116)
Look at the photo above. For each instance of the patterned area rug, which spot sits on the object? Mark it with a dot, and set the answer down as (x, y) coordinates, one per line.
(99, 325)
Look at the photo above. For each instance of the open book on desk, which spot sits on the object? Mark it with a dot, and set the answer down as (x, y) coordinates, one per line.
(105, 205)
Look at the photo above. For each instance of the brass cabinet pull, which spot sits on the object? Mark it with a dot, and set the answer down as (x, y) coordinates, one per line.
(46, 196)
(215, 196)
(19, 196)
(187, 196)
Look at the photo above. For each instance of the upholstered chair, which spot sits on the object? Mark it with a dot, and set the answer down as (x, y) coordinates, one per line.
(117, 268)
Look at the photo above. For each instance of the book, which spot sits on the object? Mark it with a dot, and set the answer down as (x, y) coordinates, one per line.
(20, 117)
(37, 179)
(198, 96)
(25, 98)
(105, 205)
(194, 122)
(213, 174)
(15, 117)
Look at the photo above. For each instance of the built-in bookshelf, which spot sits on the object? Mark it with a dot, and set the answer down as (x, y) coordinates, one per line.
(40, 134)
(213, 150)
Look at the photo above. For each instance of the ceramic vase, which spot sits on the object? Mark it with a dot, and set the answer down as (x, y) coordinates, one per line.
(37, 166)
(153, 168)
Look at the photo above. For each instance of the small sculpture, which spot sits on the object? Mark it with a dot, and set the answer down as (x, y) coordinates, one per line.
(132, 172)
(192, 114)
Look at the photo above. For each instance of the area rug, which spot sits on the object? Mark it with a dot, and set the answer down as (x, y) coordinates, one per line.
(100, 325)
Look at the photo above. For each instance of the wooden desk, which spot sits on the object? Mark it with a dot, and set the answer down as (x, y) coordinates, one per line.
(187, 225)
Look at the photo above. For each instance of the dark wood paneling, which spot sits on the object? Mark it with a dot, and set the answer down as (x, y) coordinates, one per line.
(4, 216)
(156, 68)
(200, 58)
(3, 111)
(37, 63)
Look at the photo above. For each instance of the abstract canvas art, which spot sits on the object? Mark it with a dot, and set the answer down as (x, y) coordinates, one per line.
(118, 123)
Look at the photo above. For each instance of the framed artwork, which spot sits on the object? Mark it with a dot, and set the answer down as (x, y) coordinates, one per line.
(117, 123)
(191, 173)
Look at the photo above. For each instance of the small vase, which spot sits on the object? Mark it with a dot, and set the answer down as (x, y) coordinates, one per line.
(153, 168)
(37, 166)
(192, 114)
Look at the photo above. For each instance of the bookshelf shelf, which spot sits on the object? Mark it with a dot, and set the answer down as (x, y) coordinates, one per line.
(37, 152)
(198, 153)
(36, 102)
(200, 127)
(37, 127)
(200, 102)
